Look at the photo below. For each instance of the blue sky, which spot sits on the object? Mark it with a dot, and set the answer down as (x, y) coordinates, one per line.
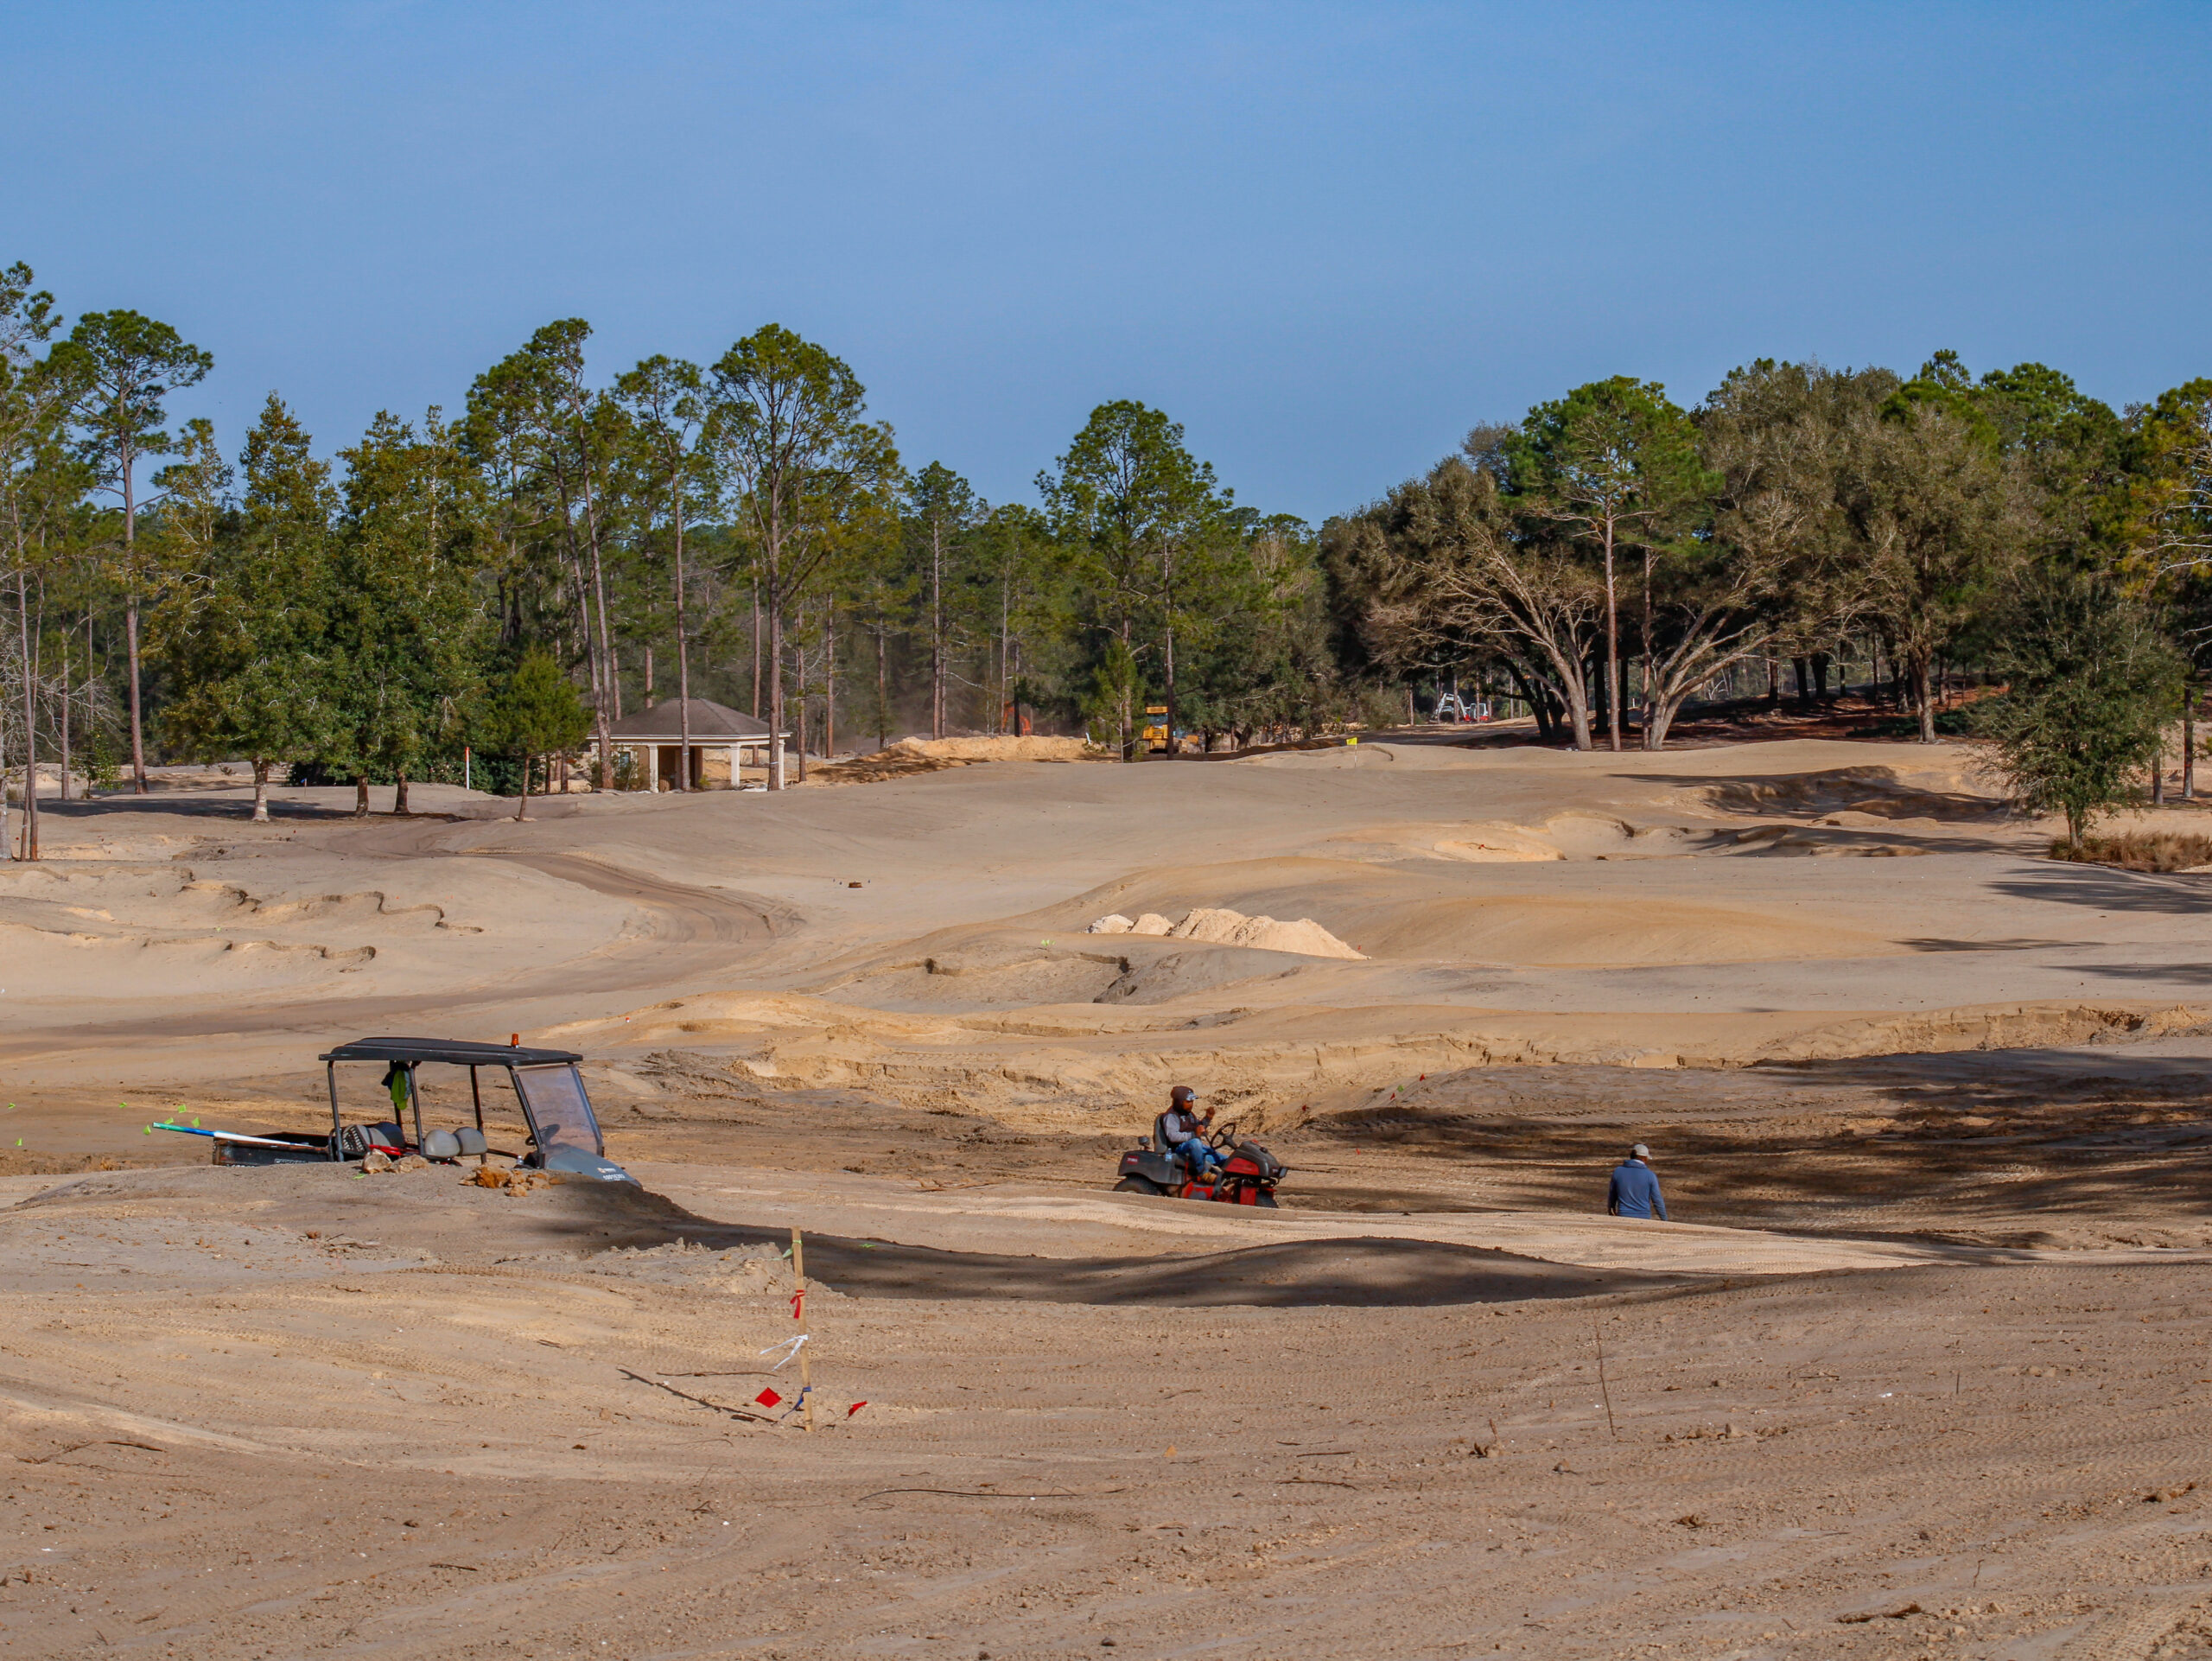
(1327, 237)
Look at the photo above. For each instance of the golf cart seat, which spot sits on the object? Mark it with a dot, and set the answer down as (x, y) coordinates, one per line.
(460, 1143)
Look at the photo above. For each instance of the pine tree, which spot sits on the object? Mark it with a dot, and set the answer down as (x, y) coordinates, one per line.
(248, 642)
(536, 712)
(800, 464)
(406, 619)
(941, 511)
(1149, 531)
(125, 365)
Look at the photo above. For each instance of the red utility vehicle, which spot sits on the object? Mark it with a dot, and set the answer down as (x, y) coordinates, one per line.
(1247, 1176)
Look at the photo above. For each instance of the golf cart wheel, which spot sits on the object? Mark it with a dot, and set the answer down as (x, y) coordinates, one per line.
(1266, 1197)
(1138, 1185)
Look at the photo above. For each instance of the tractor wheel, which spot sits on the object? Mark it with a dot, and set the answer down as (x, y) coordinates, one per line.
(1138, 1185)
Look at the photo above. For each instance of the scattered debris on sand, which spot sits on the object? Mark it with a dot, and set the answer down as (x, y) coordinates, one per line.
(516, 1181)
(1218, 925)
(1028, 746)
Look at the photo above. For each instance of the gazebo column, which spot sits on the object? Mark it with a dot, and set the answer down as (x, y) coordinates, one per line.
(652, 767)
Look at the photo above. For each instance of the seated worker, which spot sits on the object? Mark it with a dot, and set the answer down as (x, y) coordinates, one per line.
(1635, 1188)
(1183, 1132)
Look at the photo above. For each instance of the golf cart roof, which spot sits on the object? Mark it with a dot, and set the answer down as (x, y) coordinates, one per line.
(457, 1052)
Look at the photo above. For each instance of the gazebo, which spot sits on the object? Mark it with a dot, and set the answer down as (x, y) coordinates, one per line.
(722, 741)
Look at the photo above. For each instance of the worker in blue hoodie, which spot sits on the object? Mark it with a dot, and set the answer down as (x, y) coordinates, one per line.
(1635, 1190)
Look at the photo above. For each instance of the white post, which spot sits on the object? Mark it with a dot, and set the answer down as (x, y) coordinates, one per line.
(652, 767)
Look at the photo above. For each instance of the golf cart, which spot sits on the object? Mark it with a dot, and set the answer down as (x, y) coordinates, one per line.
(563, 1132)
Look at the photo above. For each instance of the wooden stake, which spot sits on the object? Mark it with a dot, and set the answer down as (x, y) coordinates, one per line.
(1603, 1390)
(798, 1314)
(2188, 746)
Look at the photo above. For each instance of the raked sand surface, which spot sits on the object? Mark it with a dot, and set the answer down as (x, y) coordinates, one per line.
(1917, 1369)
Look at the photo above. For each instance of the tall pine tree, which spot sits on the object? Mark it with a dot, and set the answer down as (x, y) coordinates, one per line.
(248, 643)
(406, 617)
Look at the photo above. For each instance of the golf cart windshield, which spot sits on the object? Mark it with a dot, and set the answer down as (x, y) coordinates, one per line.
(560, 1113)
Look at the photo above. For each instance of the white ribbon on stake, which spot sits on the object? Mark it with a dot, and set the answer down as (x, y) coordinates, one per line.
(789, 1345)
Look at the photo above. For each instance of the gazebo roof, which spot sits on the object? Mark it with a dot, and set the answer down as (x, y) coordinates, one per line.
(711, 724)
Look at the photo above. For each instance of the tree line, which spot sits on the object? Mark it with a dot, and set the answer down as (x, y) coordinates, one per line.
(742, 530)
(1613, 556)
(504, 580)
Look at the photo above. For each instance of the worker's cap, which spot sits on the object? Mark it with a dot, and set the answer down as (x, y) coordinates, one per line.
(1182, 1093)
(1640, 1151)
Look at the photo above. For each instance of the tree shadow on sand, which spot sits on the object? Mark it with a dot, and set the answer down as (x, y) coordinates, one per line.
(2104, 888)
(2186, 974)
(1816, 794)
(234, 810)
(2008, 1144)
(1352, 1271)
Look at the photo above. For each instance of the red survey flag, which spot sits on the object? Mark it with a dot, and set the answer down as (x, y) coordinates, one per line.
(854, 1408)
(769, 1398)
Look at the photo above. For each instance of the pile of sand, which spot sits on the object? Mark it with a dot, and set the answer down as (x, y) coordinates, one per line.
(912, 755)
(1220, 927)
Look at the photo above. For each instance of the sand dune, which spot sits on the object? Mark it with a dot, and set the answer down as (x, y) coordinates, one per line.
(1959, 792)
(1581, 835)
(1552, 930)
(965, 894)
(98, 929)
(1444, 917)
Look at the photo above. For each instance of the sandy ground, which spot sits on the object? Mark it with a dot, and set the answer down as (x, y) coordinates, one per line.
(1919, 1369)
